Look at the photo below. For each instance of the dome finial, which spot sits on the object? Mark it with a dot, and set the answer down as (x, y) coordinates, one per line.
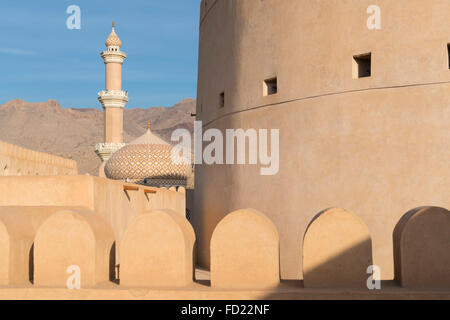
(148, 125)
(113, 40)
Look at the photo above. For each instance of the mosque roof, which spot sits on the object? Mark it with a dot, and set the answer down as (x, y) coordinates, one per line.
(149, 138)
(147, 160)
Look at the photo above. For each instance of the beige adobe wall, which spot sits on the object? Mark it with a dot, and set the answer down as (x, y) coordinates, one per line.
(376, 146)
(107, 198)
(158, 251)
(18, 161)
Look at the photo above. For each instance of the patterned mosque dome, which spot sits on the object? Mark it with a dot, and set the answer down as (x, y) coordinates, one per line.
(147, 160)
(113, 39)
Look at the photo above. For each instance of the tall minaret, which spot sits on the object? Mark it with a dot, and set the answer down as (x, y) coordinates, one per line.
(113, 99)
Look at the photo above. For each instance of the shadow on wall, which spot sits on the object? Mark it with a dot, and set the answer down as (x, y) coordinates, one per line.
(345, 270)
(31, 264)
(114, 275)
(337, 250)
(422, 248)
(421, 254)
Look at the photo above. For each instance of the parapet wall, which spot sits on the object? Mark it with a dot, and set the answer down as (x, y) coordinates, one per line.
(46, 221)
(115, 202)
(18, 161)
(48, 245)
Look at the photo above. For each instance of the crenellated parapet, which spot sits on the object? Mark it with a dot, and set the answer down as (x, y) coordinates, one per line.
(137, 238)
(19, 161)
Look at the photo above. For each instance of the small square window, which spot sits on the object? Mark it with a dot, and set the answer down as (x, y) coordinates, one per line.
(270, 87)
(222, 100)
(362, 66)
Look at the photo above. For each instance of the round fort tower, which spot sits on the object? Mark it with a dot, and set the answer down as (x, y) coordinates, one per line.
(363, 113)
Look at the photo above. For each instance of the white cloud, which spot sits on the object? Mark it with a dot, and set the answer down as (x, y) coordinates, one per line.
(17, 51)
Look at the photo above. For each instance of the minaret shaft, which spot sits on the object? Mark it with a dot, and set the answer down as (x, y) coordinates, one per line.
(113, 76)
(113, 125)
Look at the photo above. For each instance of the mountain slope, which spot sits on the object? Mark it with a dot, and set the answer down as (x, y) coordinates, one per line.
(73, 133)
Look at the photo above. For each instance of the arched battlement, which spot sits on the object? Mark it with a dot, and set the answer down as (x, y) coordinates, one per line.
(245, 251)
(73, 238)
(422, 248)
(18, 226)
(45, 245)
(157, 251)
(337, 250)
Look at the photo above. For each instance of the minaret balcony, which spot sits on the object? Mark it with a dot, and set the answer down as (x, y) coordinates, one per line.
(113, 93)
(113, 55)
(113, 98)
(105, 150)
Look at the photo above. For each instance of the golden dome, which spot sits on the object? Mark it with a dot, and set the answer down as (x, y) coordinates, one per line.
(113, 39)
(147, 160)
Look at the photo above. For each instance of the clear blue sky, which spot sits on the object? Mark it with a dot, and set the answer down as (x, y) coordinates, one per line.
(41, 59)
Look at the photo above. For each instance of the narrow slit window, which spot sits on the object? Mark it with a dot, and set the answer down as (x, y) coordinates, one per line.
(448, 54)
(362, 66)
(270, 87)
(222, 100)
